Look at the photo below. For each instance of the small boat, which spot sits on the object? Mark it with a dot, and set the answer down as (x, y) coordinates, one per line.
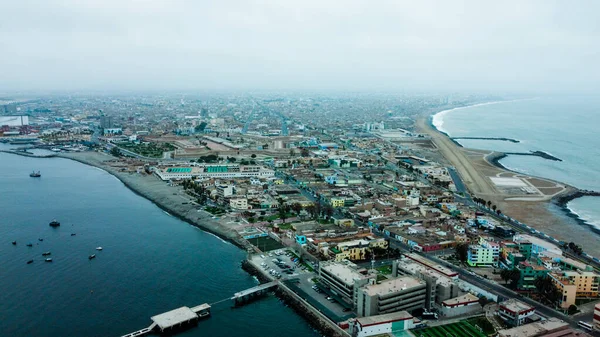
(73, 234)
(98, 248)
(30, 262)
(40, 239)
(30, 245)
(54, 223)
(93, 256)
(46, 253)
(35, 174)
(14, 242)
(48, 259)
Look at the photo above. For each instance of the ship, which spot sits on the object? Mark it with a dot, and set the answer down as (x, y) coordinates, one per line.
(54, 223)
(35, 174)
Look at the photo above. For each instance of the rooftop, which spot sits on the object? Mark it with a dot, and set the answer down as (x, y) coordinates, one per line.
(467, 298)
(534, 329)
(386, 318)
(393, 285)
(344, 271)
(515, 306)
(174, 317)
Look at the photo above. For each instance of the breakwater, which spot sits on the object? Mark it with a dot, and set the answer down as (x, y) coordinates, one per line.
(495, 157)
(563, 199)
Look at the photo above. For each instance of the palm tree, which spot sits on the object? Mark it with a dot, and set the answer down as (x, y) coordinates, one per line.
(489, 203)
(494, 208)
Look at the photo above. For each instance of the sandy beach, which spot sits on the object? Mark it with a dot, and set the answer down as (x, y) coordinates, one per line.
(537, 210)
(171, 199)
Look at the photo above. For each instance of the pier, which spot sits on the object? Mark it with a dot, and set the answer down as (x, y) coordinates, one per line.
(183, 317)
(244, 296)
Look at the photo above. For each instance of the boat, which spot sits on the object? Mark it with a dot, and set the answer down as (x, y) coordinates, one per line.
(14, 242)
(41, 239)
(30, 245)
(98, 248)
(54, 223)
(73, 234)
(30, 262)
(93, 256)
(48, 259)
(35, 174)
(46, 253)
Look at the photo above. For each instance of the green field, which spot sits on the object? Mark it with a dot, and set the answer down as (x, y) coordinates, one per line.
(266, 243)
(458, 329)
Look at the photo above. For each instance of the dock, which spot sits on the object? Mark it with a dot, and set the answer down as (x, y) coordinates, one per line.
(249, 294)
(174, 320)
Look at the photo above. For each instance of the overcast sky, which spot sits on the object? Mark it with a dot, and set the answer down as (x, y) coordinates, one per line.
(319, 45)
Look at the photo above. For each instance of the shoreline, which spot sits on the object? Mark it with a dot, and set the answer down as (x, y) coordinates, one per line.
(561, 200)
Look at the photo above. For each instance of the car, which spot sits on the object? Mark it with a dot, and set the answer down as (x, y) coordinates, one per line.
(346, 309)
(262, 256)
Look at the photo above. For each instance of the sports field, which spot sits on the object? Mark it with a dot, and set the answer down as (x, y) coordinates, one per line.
(458, 329)
(265, 243)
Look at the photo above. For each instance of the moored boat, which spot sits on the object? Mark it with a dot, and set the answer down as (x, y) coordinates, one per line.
(54, 223)
(14, 242)
(48, 259)
(30, 245)
(93, 256)
(30, 262)
(35, 174)
(98, 248)
(46, 253)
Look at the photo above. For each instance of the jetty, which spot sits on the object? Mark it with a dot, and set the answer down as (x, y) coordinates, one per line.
(244, 296)
(512, 140)
(183, 317)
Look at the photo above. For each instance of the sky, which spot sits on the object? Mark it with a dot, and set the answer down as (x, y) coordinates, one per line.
(446, 45)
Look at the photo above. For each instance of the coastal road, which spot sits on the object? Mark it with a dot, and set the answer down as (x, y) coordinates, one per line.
(478, 183)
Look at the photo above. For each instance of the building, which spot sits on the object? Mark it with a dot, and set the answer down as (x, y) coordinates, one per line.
(528, 272)
(575, 284)
(460, 305)
(514, 312)
(532, 245)
(344, 279)
(357, 249)
(541, 328)
(224, 191)
(14, 121)
(381, 324)
(404, 293)
(207, 171)
(106, 122)
(483, 254)
(337, 202)
(238, 203)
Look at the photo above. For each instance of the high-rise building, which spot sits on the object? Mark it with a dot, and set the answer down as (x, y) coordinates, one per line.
(106, 122)
(405, 293)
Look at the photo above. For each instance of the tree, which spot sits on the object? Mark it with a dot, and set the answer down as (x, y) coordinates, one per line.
(328, 211)
(292, 152)
(115, 152)
(462, 251)
(296, 207)
(572, 309)
(483, 301)
(505, 274)
(304, 152)
(498, 212)
(494, 208)
(489, 203)
(200, 127)
(253, 156)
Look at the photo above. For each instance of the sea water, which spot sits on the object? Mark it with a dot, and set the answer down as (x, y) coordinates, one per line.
(565, 127)
(150, 263)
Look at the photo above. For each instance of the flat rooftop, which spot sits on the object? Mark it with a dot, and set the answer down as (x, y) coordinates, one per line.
(534, 329)
(393, 285)
(343, 272)
(515, 305)
(464, 299)
(415, 268)
(385, 318)
(174, 317)
(430, 264)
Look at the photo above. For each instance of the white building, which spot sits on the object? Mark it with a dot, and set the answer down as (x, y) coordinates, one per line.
(344, 279)
(460, 305)
(225, 171)
(381, 324)
(515, 312)
(238, 203)
(398, 294)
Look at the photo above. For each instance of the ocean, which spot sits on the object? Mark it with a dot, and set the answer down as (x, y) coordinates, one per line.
(151, 262)
(565, 127)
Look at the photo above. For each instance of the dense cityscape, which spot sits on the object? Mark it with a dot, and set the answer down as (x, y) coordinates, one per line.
(352, 208)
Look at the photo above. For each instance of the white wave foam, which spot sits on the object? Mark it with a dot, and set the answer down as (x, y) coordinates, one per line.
(438, 119)
(585, 216)
(216, 236)
(167, 213)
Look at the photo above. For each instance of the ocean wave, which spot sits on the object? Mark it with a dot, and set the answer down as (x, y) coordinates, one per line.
(584, 216)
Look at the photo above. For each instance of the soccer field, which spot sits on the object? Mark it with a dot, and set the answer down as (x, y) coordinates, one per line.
(458, 329)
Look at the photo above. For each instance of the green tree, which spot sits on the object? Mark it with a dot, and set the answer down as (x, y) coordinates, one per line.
(462, 251)
(253, 156)
(115, 152)
(292, 153)
(572, 309)
(505, 275)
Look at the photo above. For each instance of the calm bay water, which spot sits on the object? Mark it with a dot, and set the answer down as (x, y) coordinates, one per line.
(566, 127)
(151, 262)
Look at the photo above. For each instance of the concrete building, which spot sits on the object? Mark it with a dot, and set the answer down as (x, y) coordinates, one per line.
(575, 284)
(514, 312)
(404, 293)
(537, 245)
(483, 254)
(226, 171)
(344, 279)
(238, 203)
(541, 328)
(381, 324)
(460, 305)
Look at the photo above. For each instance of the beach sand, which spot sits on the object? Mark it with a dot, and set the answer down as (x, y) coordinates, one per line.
(169, 198)
(537, 211)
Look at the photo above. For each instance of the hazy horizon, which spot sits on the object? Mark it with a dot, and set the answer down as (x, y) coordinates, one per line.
(532, 47)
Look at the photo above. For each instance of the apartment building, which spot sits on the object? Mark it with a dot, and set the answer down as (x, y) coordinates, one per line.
(344, 278)
(483, 254)
(575, 284)
(514, 312)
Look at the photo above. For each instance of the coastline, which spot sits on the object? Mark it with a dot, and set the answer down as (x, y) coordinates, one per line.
(158, 196)
(560, 200)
